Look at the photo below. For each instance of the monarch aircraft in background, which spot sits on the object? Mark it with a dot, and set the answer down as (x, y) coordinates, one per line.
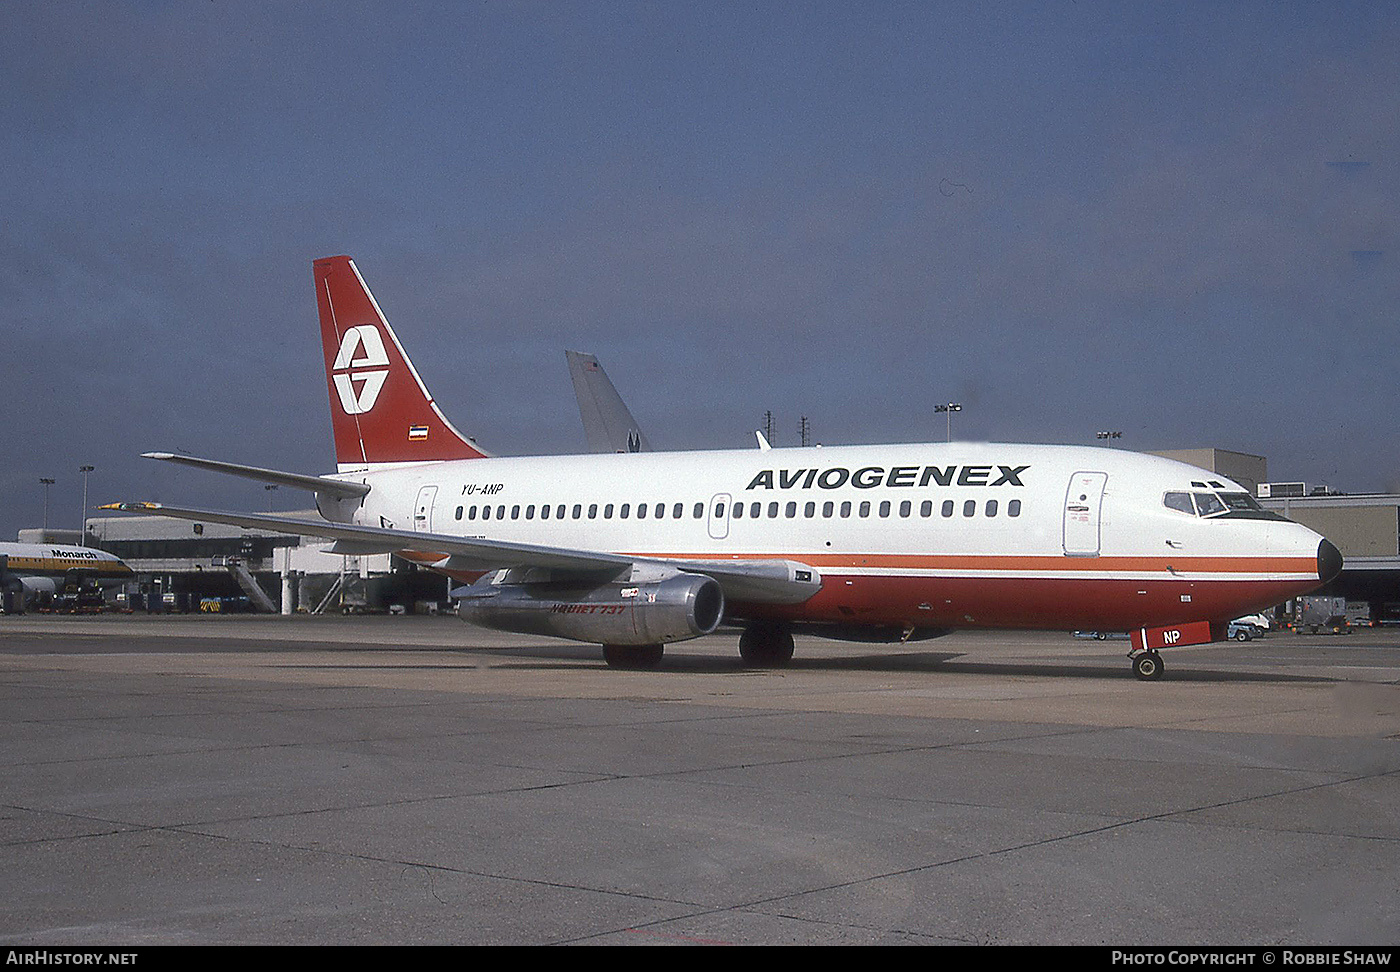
(45, 569)
(877, 542)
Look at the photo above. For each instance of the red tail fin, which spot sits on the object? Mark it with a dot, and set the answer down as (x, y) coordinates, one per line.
(380, 409)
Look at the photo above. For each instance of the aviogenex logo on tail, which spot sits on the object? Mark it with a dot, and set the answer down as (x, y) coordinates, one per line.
(349, 369)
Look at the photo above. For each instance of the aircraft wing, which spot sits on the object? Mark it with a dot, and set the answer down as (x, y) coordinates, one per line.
(771, 581)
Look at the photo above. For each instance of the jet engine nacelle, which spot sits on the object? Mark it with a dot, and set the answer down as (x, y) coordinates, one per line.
(39, 586)
(680, 607)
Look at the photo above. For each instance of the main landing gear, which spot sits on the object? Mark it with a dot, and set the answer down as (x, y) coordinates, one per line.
(634, 657)
(1147, 665)
(766, 644)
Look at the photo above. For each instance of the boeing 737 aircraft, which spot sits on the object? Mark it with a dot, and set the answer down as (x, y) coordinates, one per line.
(48, 568)
(878, 543)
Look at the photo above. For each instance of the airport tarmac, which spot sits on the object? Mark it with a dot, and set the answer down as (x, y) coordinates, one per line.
(268, 780)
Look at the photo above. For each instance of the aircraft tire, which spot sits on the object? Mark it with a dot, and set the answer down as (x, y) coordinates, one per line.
(1148, 666)
(633, 657)
(766, 646)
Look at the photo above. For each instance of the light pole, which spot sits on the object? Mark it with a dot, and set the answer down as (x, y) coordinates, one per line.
(948, 410)
(82, 520)
(269, 487)
(47, 483)
(1109, 435)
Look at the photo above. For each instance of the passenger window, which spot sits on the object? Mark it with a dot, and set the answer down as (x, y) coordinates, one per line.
(846, 508)
(865, 508)
(947, 507)
(828, 508)
(530, 512)
(608, 512)
(515, 512)
(755, 510)
(905, 508)
(1209, 504)
(678, 511)
(1013, 508)
(459, 513)
(544, 512)
(578, 511)
(660, 510)
(970, 508)
(1181, 502)
(559, 513)
(719, 510)
(486, 512)
(772, 509)
(738, 511)
(471, 513)
(810, 510)
(641, 511)
(926, 508)
(501, 512)
(791, 510)
(699, 511)
(885, 508)
(991, 507)
(626, 509)
(593, 511)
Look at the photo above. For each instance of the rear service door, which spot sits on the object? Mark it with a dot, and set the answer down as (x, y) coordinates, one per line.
(423, 509)
(1083, 509)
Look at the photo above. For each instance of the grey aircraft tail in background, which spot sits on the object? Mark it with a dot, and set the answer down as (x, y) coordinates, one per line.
(608, 424)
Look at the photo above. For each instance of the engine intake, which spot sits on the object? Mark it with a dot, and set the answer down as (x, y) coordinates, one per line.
(675, 609)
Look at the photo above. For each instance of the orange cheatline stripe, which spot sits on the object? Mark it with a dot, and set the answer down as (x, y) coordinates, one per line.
(1237, 565)
(989, 562)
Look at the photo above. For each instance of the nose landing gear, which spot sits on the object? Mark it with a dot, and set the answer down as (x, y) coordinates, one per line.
(1147, 665)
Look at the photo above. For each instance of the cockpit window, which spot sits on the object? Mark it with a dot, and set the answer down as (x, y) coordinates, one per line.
(1229, 506)
(1180, 502)
(1208, 504)
(1240, 502)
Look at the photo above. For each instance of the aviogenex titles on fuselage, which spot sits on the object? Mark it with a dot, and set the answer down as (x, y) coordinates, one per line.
(868, 477)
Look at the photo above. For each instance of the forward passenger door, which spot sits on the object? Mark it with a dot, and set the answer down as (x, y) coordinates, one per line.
(1083, 514)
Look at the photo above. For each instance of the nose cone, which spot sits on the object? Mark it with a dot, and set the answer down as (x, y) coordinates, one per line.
(1329, 561)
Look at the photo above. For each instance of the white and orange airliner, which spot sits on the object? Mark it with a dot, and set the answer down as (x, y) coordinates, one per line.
(875, 543)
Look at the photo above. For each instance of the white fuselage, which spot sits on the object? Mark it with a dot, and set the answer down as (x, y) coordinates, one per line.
(958, 534)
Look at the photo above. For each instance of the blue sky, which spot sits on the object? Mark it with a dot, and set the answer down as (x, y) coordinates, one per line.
(1177, 220)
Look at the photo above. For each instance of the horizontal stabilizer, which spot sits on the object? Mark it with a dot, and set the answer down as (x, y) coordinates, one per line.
(317, 484)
